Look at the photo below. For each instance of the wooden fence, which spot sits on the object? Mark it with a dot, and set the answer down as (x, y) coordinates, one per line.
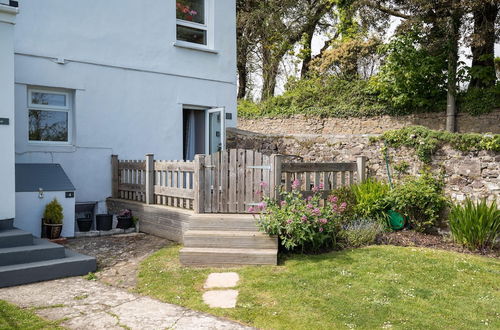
(228, 181)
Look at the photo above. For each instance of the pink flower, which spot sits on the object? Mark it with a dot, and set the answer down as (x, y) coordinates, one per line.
(343, 205)
(262, 205)
(289, 221)
(251, 209)
(315, 188)
(316, 211)
(283, 203)
(321, 186)
(333, 199)
(303, 218)
(310, 206)
(263, 184)
(323, 221)
(309, 198)
(295, 184)
(258, 193)
(320, 229)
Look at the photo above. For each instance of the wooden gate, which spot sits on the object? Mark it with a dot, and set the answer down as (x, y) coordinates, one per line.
(234, 180)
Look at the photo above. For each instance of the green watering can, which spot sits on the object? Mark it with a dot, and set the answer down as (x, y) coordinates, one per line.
(396, 220)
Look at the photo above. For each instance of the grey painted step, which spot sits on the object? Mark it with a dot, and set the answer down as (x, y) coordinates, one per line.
(39, 251)
(223, 222)
(229, 239)
(226, 257)
(73, 264)
(6, 224)
(15, 237)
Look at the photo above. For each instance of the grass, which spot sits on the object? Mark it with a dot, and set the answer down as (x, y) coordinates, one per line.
(12, 317)
(372, 287)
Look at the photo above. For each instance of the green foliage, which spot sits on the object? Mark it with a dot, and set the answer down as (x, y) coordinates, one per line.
(478, 101)
(475, 225)
(301, 223)
(426, 141)
(361, 232)
(345, 196)
(53, 213)
(420, 199)
(91, 277)
(401, 167)
(411, 77)
(318, 96)
(371, 200)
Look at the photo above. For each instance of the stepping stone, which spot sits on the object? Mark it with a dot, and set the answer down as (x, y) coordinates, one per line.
(222, 280)
(221, 298)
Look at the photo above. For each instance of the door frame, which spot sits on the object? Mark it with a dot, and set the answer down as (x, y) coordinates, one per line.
(209, 111)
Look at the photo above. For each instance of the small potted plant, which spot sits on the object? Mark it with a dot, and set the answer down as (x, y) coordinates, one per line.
(53, 219)
(124, 218)
(84, 224)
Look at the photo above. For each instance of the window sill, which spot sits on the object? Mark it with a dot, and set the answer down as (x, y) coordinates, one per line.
(201, 48)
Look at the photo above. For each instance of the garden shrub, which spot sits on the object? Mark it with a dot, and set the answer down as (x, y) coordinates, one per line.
(302, 223)
(346, 196)
(53, 212)
(371, 199)
(361, 232)
(475, 225)
(420, 199)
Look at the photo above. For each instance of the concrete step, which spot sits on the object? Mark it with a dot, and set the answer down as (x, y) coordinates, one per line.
(217, 257)
(73, 264)
(229, 239)
(15, 237)
(229, 222)
(6, 224)
(40, 250)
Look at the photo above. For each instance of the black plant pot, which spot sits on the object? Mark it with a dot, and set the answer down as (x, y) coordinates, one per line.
(52, 231)
(84, 224)
(104, 222)
(124, 222)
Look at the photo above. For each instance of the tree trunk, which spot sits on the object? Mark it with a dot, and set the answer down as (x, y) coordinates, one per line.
(241, 65)
(270, 69)
(483, 46)
(453, 36)
(306, 62)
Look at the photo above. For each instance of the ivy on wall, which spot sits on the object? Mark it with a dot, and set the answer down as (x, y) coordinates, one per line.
(426, 141)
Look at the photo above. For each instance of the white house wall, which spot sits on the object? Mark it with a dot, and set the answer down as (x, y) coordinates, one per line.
(129, 81)
(30, 208)
(7, 166)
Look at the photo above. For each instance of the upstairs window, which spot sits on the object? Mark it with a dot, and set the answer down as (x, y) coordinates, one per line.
(192, 21)
(49, 116)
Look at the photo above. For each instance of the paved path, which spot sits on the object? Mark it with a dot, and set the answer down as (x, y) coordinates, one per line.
(84, 304)
(221, 298)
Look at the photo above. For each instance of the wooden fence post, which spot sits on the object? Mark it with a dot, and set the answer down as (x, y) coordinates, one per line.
(150, 179)
(199, 183)
(361, 164)
(275, 184)
(115, 176)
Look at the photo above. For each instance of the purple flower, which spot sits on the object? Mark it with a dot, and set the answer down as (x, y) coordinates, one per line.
(295, 184)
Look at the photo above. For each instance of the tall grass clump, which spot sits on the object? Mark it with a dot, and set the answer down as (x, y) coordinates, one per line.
(475, 225)
(371, 199)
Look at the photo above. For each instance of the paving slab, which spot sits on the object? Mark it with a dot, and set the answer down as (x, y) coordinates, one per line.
(221, 298)
(221, 280)
(84, 304)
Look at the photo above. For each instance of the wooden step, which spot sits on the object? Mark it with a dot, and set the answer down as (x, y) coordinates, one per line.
(223, 222)
(229, 239)
(217, 257)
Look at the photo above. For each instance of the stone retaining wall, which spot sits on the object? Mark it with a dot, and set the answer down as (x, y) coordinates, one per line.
(488, 123)
(474, 174)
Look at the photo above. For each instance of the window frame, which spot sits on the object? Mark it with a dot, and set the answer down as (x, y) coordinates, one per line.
(207, 27)
(68, 109)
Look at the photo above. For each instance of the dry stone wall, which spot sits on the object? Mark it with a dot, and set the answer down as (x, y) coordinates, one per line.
(473, 174)
(488, 123)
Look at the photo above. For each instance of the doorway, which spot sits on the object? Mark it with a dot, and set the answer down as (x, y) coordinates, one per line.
(203, 131)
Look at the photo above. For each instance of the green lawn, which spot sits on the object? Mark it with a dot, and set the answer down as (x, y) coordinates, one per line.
(12, 317)
(373, 287)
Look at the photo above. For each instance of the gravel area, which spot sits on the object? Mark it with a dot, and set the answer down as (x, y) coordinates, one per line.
(118, 257)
